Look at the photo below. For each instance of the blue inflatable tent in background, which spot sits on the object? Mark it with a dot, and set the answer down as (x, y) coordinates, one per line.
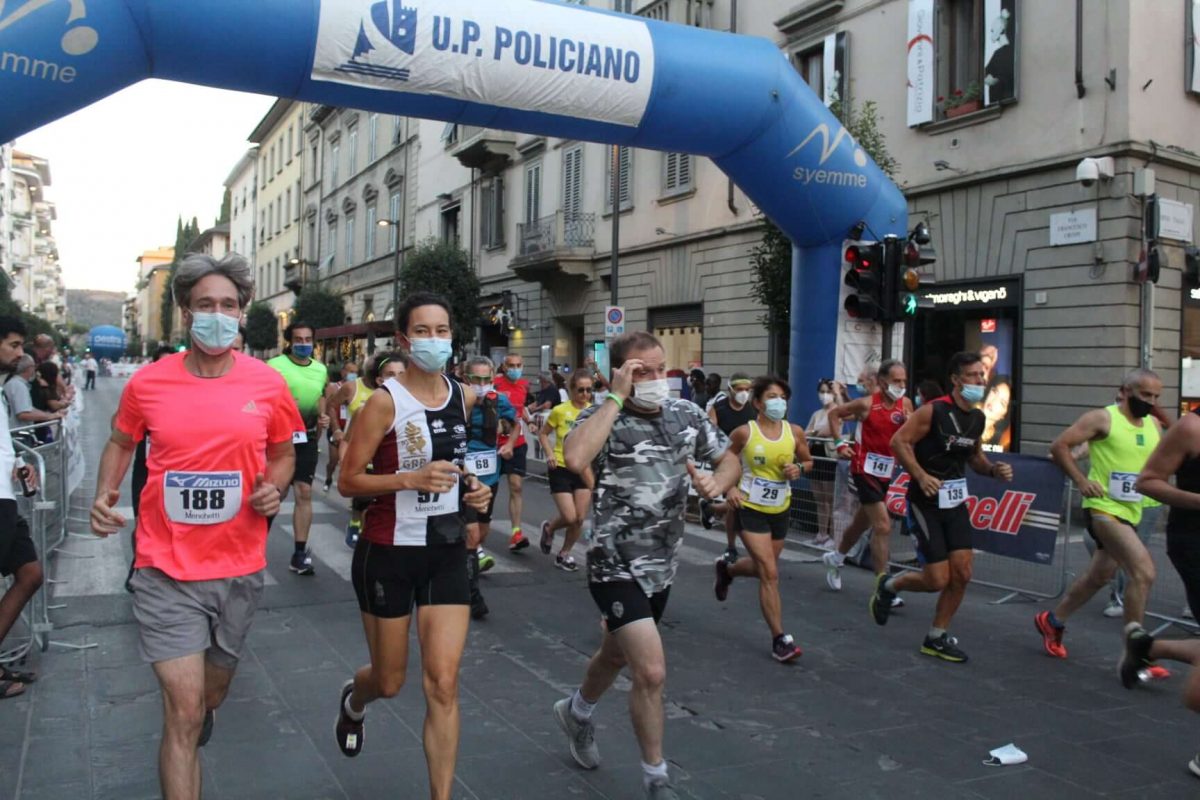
(521, 65)
(106, 341)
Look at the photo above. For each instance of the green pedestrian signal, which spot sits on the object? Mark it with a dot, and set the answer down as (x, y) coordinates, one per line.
(910, 305)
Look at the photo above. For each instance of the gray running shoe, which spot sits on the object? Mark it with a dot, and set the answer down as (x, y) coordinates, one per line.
(661, 790)
(833, 572)
(581, 736)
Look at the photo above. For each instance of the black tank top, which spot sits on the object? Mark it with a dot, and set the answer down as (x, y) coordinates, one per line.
(729, 418)
(1187, 478)
(952, 439)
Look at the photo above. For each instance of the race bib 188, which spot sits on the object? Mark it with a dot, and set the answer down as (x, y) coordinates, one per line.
(202, 498)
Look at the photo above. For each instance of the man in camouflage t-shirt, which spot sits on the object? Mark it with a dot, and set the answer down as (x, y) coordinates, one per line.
(640, 443)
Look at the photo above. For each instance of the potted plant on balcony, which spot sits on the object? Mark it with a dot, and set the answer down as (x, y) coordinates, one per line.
(962, 101)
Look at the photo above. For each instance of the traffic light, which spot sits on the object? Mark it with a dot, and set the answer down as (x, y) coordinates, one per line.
(1191, 267)
(910, 275)
(866, 278)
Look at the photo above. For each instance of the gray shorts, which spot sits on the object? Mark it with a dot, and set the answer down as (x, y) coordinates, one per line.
(181, 618)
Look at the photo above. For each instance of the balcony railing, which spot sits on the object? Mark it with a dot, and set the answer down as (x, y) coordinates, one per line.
(560, 230)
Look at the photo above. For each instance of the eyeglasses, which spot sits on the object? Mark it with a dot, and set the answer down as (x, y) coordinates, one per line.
(480, 379)
(582, 390)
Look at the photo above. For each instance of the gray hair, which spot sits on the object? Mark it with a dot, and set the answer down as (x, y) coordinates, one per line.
(1136, 376)
(885, 368)
(197, 266)
(25, 362)
(475, 361)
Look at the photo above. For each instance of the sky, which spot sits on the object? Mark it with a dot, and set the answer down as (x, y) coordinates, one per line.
(126, 168)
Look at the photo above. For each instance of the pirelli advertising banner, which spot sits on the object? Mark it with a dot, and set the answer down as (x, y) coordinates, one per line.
(1018, 519)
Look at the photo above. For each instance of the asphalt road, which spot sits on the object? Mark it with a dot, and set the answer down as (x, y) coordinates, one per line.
(860, 715)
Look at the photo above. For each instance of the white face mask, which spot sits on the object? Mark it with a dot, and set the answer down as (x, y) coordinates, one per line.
(649, 395)
(825, 397)
(742, 397)
(482, 389)
(895, 392)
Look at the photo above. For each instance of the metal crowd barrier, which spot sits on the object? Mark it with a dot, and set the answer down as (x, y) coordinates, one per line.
(48, 513)
(1017, 577)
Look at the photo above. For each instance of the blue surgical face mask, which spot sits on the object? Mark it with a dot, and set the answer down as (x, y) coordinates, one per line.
(917, 401)
(302, 350)
(351, 376)
(972, 393)
(214, 333)
(775, 408)
(861, 388)
(431, 354)
(513, 374)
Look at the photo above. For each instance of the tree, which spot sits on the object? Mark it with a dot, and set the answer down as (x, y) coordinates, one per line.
(34, 325)
(184, 236)
(262, 331)
(443, 268)
(319, 307)
(771, 259)
(226, 202)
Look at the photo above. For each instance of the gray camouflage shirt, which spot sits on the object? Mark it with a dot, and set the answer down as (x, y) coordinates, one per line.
(642, 489)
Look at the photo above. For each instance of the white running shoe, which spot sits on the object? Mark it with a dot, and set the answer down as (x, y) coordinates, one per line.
(1114, 609)
(833, 575)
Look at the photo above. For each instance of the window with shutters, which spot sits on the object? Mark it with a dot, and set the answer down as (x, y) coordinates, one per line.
(624, 175)
(394, 216)
(677, 173)
(959, 53)
(299, 201)
(332, 238)
(349, 241)
(288, 209)
(372, 135)
(371, 229)
(492, 218)
(533, 192)
(291, 143)
(335, 151)
(352, 146)
(809, 64)
(572, 194)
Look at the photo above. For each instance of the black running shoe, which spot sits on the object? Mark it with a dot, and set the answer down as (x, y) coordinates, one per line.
(302, 563)
(706, 515)
(721, 584)
(731, 555)
(1136, 655)
(944, 647)
(881, 601)
(350, 734)
(479, 609)
(210, 716)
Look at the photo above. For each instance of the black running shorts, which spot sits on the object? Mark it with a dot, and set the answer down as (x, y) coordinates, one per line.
(563, 481)
(1184, 551)
(623, 602)
(870, 489)
(388, 580)
(16, 545)
(483, 518)
(306, 461)
(939, 531)
(518, 463)
(752, 521)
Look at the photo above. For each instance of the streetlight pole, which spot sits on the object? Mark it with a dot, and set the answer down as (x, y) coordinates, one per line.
(396, 224)
(616, 222)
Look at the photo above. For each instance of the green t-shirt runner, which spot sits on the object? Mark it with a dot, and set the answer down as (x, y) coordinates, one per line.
(307, 384)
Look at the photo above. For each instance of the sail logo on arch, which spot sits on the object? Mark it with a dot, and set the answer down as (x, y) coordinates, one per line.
(526, 56)
(819, 174)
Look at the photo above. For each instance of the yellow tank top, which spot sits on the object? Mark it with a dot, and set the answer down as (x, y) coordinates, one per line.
(1116, 461)
(361, 395)
(763, 460)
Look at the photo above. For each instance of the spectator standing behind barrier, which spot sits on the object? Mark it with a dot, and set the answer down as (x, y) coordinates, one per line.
(90, 368)
(547, 396)
(830, 393)
(19, 395)
(43, 391)
(17, 555)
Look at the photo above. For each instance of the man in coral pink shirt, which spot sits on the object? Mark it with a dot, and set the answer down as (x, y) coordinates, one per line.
(222, 427)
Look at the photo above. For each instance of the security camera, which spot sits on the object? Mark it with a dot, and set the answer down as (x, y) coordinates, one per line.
(1091, 170)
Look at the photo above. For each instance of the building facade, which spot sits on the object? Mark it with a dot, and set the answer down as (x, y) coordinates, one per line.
(279, 139)
(32, 255)
(154, 271)
(242, 185)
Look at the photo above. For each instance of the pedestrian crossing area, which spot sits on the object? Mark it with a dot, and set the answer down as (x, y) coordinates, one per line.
(87, 566)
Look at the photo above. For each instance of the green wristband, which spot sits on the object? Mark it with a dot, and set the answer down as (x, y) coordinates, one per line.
(616, 398)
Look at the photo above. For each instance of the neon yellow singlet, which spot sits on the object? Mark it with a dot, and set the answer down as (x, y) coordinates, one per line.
(763, 460)
(1116, 461)
(361, 395)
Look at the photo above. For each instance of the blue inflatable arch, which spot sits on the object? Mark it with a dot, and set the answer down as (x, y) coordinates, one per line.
(521, 65)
